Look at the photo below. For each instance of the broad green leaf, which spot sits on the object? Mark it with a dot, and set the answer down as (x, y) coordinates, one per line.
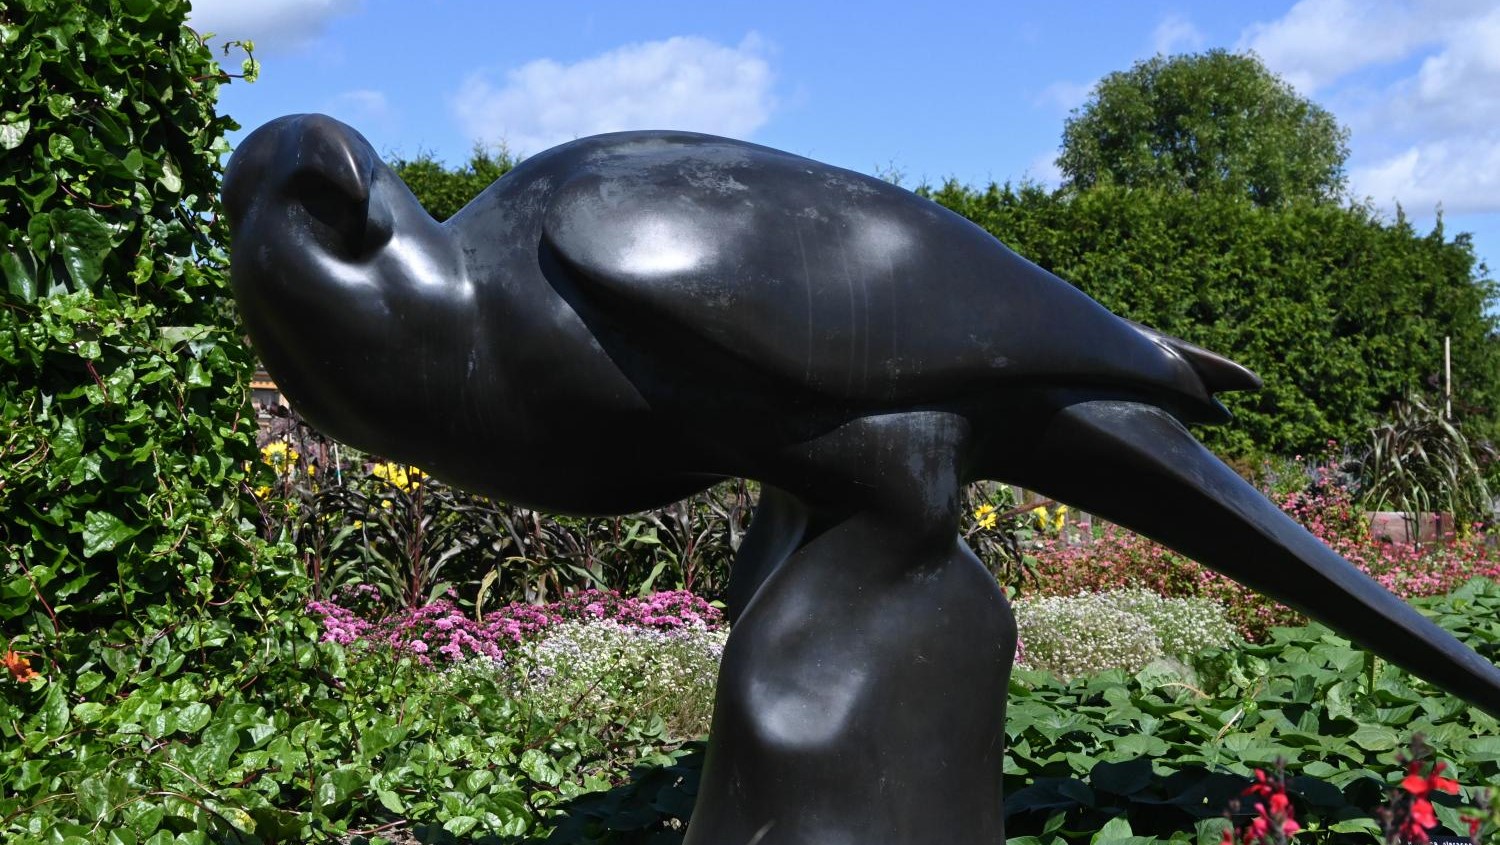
(539, 767)
(102, 532)
(1375, 738)
(1210, 831)
(391, 801)
(82, 241)
(1356, 825)
(54, 711)
(192, 718)
(460, 825)
(1116, 829)
(13, 129)
(20, 275)
(171, 177)
(88, 712)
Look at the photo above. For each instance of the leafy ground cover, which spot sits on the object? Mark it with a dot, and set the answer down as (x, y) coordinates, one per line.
(378, 727)
(1149, 756)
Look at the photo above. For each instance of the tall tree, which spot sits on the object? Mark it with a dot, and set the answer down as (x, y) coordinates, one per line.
(1206, 122)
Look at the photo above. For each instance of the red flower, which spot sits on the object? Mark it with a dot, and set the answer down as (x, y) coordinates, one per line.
(1421, 786)
(1273, 821)
(20, 667)
(1280, 804)
(1420, 818)
(1475, 823)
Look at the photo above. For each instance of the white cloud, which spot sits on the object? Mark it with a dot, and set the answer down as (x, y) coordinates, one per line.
(1319, 41)
(1043, 170)
(1460, 176)
(1457, 88)
(1431, 135)
(274, 25)
(680, 83)
(1176, 34)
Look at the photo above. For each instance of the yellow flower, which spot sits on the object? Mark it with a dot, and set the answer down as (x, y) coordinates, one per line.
(985, 516)
(280, 455)
(385, 504)
(400, 477)
(1042, 517)
(262, 491)
(1061, 518)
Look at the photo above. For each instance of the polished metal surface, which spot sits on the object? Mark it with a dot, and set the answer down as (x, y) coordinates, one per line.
(627, 318)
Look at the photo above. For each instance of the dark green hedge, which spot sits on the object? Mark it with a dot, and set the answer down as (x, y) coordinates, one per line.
(1341, 312)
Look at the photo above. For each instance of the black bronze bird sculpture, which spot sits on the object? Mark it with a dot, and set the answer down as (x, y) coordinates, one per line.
(625, 319)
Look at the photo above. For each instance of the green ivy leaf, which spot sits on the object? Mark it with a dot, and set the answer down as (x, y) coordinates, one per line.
(102, 532)
(191, 718)
(82, 241)
(54, 712)
(171, 176)
(13, 129)
(20, 279)
(539, 767)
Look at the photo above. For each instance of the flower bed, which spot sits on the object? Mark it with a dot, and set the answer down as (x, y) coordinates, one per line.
(1118, 559)
(1125, 629)
(357, 616)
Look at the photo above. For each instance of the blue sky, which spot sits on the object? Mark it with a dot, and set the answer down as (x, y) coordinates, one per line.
(976, 91)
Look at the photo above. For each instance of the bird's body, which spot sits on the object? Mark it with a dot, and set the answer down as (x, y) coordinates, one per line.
(623, 319)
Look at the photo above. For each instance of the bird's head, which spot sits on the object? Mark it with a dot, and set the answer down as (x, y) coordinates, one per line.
(355, 298)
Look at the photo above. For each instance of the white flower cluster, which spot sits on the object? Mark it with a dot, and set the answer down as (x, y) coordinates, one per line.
(605, 670)
(1077, 635)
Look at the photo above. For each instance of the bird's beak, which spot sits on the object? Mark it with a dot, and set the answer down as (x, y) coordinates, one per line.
(1137, 466)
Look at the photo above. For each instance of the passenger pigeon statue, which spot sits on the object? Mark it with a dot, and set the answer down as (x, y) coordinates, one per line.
(626, 319)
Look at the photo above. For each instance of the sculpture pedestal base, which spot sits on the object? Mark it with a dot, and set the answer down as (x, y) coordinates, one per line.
(862, 699)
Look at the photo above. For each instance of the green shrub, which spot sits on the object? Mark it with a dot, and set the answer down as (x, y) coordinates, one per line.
(1087, 633)
(1110, 756)
(130, 576)
(1341, 312)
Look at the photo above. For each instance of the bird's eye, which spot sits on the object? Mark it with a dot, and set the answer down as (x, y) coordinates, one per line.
(340, 217)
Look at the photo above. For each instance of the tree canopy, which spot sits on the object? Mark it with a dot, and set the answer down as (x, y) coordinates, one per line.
(1205, 122)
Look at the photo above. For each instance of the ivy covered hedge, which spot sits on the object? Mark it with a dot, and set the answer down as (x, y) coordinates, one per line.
(131, 585)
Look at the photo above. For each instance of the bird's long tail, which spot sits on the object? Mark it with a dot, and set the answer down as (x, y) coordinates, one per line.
(1136, 465)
